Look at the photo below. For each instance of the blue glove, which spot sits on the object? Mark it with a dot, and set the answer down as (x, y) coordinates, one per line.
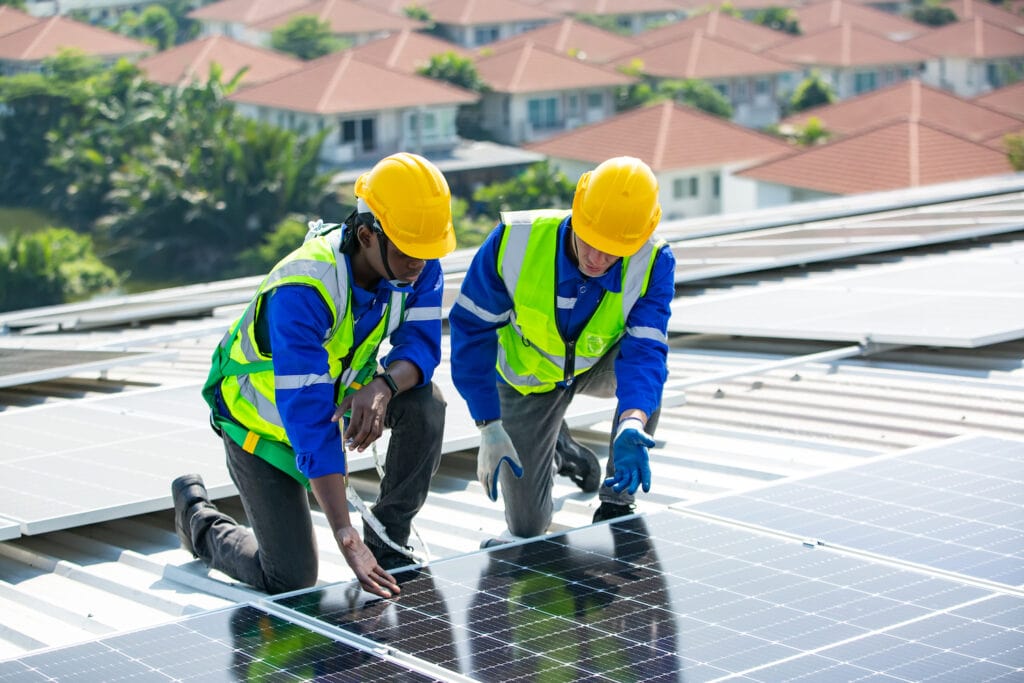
(629, 454)
(495, 448)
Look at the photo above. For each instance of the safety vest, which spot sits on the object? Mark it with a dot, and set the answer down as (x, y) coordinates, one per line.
(532, 356)
(244, 372)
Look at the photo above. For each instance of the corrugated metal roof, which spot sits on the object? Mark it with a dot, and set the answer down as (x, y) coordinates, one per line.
(732, 434)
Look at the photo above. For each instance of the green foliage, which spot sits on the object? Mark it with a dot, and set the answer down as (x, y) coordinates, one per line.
(692, 92)
(605, 22)
(16, 4)
(13, 219)
(307, 38)
(49, 267)
(813, 91)
(779, 19)
(1015, 150)
(933, 14)
(470, 231)
(276, 244)
(419, 13)
(155, 25)
(455, 69)
(539, 186)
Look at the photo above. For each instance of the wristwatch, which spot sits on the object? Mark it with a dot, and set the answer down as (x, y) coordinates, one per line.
(484, 423)
(389, 380)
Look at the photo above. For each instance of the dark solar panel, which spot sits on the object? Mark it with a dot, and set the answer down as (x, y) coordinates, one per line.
(957, 507)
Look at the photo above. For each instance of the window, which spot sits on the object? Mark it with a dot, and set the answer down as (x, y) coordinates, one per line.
(683, 188)
(595, 100)
(716, 186)
(762, 86)
(543, 113)
(723, 89)
(360, 132)
(865, 81)
(573, 103)
(485, 34)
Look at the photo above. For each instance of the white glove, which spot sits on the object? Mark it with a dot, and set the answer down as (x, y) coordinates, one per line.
(495, 448)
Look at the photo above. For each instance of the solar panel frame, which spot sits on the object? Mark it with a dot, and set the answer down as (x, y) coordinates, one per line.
(27, 365)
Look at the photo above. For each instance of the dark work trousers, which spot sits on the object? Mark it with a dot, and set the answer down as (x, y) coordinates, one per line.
(533, 422)
(279, 553)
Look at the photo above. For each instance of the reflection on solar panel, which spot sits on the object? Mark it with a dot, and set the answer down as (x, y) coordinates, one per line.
(23, 366)
(962, 301)
(240, 644)
(671, 597)
(956, 507)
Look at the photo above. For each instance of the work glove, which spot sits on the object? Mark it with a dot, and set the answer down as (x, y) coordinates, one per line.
(495, 448)
(629, 454)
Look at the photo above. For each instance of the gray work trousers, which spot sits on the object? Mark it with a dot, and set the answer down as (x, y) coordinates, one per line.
(533, 422)
(279, 553)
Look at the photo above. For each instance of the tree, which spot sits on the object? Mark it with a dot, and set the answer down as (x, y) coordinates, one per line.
(451, 67)
(307, 38)
(933, 14)
(1015, 150)
(155, 25)
(16, 4)
(698, 94)
(539, 185)
(779, 19)
(811, 92)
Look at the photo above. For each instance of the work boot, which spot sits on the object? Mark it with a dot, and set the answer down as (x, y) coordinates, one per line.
(189, 495)
(612, 510)
(577, 462)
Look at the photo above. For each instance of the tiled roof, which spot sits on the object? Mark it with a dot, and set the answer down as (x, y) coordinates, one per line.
(974, 39)
(910, 99)
(1007, 15)
(396, 7)
(12, 19)
(895, 155)
(668, 136)
(610, 7)
(44, 38)
(340, 83)
(698, 56)
(406, 50)
(844, 46)
(719, 26)
(998, 142)
(192, 60)
(476, 12)
(820, 15)
(1009, 98)
(575, 38)
(531, 68)
(244, 11)
(345, 17)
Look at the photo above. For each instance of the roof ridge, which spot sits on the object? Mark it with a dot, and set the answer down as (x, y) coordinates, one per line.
(339, 70)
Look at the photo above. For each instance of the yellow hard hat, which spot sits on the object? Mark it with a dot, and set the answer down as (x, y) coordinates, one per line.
(615, 208)
(412, 202)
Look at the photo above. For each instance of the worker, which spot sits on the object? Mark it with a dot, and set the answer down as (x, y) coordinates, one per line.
(557, 303)
(297, 374)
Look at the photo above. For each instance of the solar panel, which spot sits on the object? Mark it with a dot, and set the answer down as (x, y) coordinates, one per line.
(9, 529)
(957, 507)
(236, 644)
(24, 366)
(961, 301)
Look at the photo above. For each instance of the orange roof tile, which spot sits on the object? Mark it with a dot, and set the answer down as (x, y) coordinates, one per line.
(845, 45)
(745, 34)
(574, 38)
(609, 7)
(531, 68)
(998, 142)
(476, 12)
(909, 99)
(829, 13)
(339, 83)
(396, 7)
(668, 136)
(46, 37)
(698, 56)
(1009, 98)
(12, 19)
(406, 50)
(896, 155)
(345, 17)
(1000, 16)
(244, 11)
(972, 38)
(192, 60)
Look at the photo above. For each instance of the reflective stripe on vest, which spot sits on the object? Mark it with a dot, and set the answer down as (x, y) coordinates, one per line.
(532, 355)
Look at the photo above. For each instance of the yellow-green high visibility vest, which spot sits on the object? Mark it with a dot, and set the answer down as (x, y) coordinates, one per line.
(532, 355)
(244, 372)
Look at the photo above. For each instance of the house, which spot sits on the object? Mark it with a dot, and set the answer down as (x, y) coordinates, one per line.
(817, 16)
(719, 26)
(406, 50)
(535, 92)
(973, 56)
(893, 155)
(472, 23)
(1006, 14)
(104, 12)
(1009, 98)
(629, 16)
(970, 119)
(576, 39)
(400, 112)
(25, 49)
(349, 20)
(753, 83)
(13, 19)
(693, 154)
(235, 18)
(852, 60)
(193, 60)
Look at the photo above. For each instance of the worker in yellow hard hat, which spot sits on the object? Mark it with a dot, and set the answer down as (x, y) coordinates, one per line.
(296, 382)
(557, 303)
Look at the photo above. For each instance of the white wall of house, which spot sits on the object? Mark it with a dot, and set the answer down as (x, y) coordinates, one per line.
(755, 99)
(238, 31)
(773, 194)
(853, 81)
(102, 11)
(690, 192)
(517, 119)
(482, 34)
(972, 77)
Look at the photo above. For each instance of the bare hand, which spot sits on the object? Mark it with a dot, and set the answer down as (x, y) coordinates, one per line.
(372, 577)
(366, 421)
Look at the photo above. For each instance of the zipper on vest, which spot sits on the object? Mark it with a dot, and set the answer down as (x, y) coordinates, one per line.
(570, 363)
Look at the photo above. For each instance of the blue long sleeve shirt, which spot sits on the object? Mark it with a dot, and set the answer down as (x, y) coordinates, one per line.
(484, 305)
(295, 320)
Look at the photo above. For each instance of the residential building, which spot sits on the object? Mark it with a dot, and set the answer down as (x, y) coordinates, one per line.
(576, 39)
(818, 16)
(406, 50)
(1009, 98)
(972, 56)
(1006, 14)
(100, 11)
(193, 60)
(472, 23)
(628, 16)
(236, 18)
(694, 155)
(535, 93)
(25, 49)
(13, 19)
(719, 26)
(349, 20)
(400, 112)
(753, 83)
(852, 60)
